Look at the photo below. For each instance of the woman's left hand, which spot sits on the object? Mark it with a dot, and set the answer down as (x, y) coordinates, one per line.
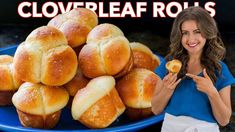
(204, 84)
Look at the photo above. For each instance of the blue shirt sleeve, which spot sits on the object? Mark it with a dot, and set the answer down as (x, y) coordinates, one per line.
(225, 78)
(161, 69)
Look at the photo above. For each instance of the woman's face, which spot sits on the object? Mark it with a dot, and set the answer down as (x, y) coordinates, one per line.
(192, 39)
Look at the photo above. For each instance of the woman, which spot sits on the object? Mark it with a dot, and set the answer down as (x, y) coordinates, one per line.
(198, 97)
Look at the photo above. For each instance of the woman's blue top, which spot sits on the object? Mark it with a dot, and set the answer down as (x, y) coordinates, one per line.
(188, 101)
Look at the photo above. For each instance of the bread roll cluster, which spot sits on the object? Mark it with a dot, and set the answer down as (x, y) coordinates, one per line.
(45, 62)
(101, 77)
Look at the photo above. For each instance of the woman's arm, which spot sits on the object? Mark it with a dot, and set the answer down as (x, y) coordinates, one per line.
(220, 101)
(163, 92)
(221, 105)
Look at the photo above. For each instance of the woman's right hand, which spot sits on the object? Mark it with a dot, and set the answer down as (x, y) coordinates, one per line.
(170, 81)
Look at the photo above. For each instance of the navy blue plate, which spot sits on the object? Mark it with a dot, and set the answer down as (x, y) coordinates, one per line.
(9, 120)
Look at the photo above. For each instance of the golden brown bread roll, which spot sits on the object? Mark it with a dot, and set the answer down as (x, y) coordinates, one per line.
(144, 57)
(9, 83)
(38, 105)
(98, 104)
(45, 57)
(75, 24)
(174, 66)
(107, 52)
(78, 82)
(136, 91)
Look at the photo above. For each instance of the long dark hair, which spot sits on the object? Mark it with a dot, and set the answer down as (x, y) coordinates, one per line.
(214, 49)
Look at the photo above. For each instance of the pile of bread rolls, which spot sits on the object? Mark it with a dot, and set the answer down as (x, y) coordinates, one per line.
(73, 58)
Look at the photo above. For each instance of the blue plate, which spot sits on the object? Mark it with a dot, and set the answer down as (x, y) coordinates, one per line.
(9, 120)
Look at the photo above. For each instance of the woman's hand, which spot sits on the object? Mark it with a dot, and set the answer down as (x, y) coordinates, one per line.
(170, 81)
(204, 84)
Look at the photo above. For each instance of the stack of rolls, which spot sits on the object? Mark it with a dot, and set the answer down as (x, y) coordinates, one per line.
(75, 24)
(9, 82)
(136, 90)
(107, 54)
(144, 57)
(44, 61)
(109, 51)
(98, 104)
(74, 57)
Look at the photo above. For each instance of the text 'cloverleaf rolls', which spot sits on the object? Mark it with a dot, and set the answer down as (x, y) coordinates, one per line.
(144, 57)
(8, 81)
(75, 24)
(45, 57)
(174, 66)
(136, 90)
(98, 104)
(38, 105)
(107, 52)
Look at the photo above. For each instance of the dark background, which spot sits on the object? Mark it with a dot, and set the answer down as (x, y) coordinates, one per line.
(225, 15)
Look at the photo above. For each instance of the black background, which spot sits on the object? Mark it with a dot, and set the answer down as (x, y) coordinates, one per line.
(225, 15)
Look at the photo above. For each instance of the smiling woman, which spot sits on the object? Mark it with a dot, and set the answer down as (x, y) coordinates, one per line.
(192, 39)
(195, 42)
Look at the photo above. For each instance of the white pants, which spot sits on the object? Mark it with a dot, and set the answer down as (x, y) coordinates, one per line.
(173, 123)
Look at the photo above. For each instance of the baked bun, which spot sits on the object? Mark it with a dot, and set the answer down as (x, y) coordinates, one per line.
(98, 104)
(8, 82)
(75, 24)
(39, 106)
(136, 91)
(174, 66)
(144, 57)
(78, 82)
(107, 52)
(45, 57)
